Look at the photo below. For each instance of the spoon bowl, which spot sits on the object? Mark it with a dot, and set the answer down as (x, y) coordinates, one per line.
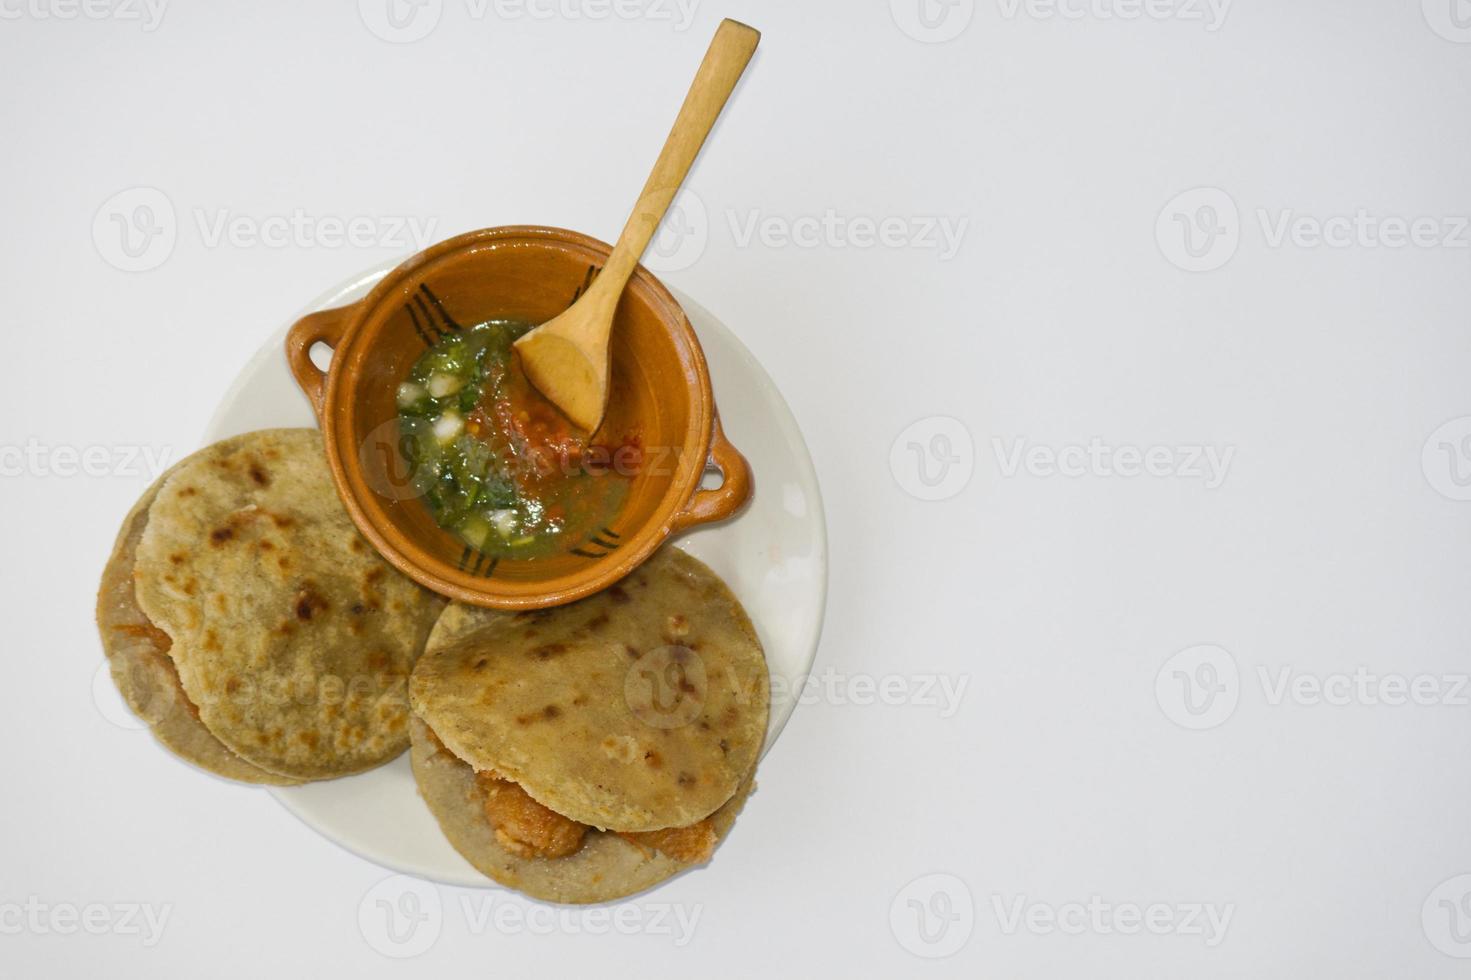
(567, 357)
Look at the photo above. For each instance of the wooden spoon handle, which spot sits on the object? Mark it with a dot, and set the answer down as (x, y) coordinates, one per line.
(724, 64)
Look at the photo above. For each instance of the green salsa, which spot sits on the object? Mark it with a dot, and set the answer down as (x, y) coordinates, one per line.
(495, 462)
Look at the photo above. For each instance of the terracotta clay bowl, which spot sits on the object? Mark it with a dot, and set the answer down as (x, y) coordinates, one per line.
(660, 390)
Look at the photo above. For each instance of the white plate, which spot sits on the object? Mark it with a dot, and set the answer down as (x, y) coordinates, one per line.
(774, 556)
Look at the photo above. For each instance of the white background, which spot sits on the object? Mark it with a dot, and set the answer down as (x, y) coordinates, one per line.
(1332, 834)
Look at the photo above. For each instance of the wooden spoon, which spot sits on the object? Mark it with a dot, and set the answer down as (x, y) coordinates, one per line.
(567, 358)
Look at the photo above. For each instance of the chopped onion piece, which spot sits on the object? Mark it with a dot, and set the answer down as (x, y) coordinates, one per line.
(409, 394)
(504, 521)
(444, 385)
(448, 427)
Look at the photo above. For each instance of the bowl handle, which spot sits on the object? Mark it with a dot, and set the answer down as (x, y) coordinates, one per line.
(326, 327)
(709, 506)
